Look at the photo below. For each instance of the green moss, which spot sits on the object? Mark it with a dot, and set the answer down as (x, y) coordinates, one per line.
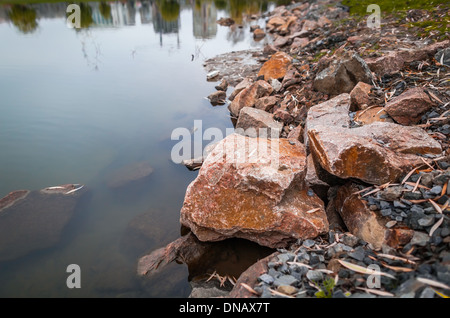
(359, 7)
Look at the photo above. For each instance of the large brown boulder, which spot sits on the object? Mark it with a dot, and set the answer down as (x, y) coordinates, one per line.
(376, 153)
(34, 220)
(244, 192)
(408, 108)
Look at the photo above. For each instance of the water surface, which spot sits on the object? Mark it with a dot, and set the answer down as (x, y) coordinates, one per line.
(75, 105)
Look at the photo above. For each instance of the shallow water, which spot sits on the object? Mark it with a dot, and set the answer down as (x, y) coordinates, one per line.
(77, 105)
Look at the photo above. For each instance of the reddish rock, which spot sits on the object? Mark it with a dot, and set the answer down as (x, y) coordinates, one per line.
(276, 67)
(309, 25)
(128, 174)
(334, 218)
(269, 50)
(217, 98)
(225, 21)
(360, 96)
(249, 96)
(250, 278)
(283, 116)
(262, 198)
(368, 225)
(280, 41)
(300, 43)
(343, 74)
(332, 113)
(246, 82)
(296, 134)
(371, 115)
(259, 34)
(284, 29)
(266, 103)
(323, 21)
(222, 86)
(394, 61)
(258, 123)
(377, 153)
(275, 22)
(408, 108)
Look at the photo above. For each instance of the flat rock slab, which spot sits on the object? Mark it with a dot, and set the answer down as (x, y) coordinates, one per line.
(34, 220)
(376, 153)
(258, 198)
(128, 174)
(234, 66)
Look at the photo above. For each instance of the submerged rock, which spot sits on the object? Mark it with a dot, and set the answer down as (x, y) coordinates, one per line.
(34, 220)
(128, 174)
(244, 192)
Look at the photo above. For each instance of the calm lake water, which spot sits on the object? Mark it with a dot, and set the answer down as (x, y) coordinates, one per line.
(76, 105)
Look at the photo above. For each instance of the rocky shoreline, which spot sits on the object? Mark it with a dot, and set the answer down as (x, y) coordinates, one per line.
(362, 122)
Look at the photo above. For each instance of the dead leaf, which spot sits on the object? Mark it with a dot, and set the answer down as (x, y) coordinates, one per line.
(433, 283)
(376, 292)
(250, 289)
(363, 270)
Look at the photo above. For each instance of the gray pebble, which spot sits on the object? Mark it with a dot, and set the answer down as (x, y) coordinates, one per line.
(436, 190)
(314, 276)
(426, 221)
(386, 212)
(358, 253)
(266, 279)
(309, 243)
(427, 293)
(285, 280)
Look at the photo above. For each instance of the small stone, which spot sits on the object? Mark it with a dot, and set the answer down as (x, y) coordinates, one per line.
(358, 254)
(338, 294)
(385, 205)
(285, 280)
(309, 243)
(266, 279)
(427, 293)
(276, 85)
(314, 276)
(412, 196)
(386, 212)
(390, 193)
(445, 232)
(286, 257)
(398, 204)
(426, 221)
(420, 239)
(436, 190)
(350, 240)
(391, 224)
(287, 289)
